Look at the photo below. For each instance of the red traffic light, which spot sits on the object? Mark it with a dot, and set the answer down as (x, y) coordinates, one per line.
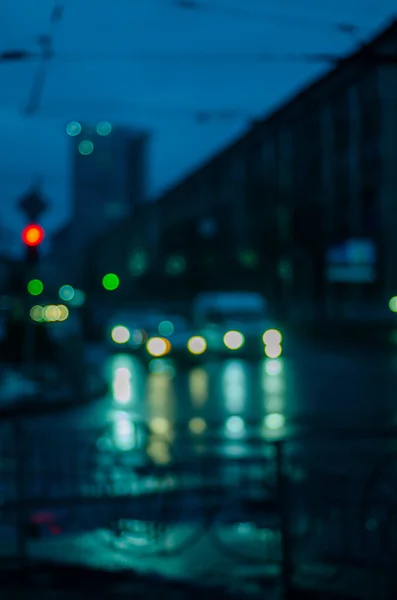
(33, 235)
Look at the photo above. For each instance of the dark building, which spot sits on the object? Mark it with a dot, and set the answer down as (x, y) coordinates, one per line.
(302, 207)
(109, 182)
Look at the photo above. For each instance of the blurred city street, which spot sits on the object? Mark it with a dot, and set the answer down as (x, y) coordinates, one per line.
(233, 403)
(198, 299)
(319, 386)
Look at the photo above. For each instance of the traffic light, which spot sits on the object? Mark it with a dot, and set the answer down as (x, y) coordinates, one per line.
(32, 236)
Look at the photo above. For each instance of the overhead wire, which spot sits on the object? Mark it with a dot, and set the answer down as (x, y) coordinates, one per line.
(272, 17)
(183, 57)
(45, 43)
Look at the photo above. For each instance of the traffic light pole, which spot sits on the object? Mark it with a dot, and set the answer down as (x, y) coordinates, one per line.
(31, 260)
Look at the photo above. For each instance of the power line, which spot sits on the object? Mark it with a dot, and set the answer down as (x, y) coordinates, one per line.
(365, 57)
(183, 57)
(244, 12)
(45, 42)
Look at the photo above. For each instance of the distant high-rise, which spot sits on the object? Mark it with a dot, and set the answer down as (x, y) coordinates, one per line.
(109, 179)
(109, 175)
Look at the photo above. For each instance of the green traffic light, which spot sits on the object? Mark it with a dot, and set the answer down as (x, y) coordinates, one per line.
(35, 287)
(110, 282)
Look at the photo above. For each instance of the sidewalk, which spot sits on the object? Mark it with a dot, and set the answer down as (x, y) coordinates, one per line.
(253, 574)
(21, 396)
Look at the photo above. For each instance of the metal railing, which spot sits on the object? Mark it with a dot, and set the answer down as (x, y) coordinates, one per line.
(311, 499)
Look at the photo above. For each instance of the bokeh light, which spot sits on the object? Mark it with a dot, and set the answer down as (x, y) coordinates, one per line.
(175, 265)
(36, 313)
(66, 293)
(120, 334)
(63, 312)
(273, 350)
(73, 128)
(159, 451)
(124, 432)
(235, 426)
(51, 313)
(166, 328)
(121, 385)
(33, 235)
(137, 337)
(158, 346)
(78, 298)
(138, 263)
(273, 367)
(160, 426)
(35, 287)
(233, 340)
(110, 282)
(274, 421)
(272, 337)
(197, 345)
(393, 304)
(103, 128)
(197, 425)
(86, 147)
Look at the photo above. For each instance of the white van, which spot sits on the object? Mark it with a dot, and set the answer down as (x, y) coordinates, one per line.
(216, 313)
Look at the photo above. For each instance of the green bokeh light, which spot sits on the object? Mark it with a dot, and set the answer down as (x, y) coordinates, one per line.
(86, 147)
(393, 304)
(110, 282)
(166, 328)
(73, 128)
(103, 128)
(35, 287)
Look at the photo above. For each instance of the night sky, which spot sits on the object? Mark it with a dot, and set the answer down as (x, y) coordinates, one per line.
(111, 63)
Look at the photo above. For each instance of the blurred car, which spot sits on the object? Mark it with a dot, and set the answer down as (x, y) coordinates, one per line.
(234, 320)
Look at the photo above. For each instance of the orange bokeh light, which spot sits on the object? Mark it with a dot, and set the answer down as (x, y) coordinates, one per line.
(33, 235)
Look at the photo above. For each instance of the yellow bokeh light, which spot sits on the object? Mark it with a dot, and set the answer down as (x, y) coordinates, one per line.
(51, 313)
(159, 451)
(197, 425)
(36, 313)
(120, 334)
(272, 337)
(160, 426)
(233, 340)
(158, 346)
(197, 345)
(63, 312)
(273, 350)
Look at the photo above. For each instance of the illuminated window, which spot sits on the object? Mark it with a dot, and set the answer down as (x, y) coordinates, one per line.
(139, 263)
(103, 128)
(73, 128)
(176, 265)
(86, 147)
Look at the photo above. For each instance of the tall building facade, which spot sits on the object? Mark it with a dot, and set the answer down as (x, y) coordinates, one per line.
(109, 171)
(109, 182)
(305, 203)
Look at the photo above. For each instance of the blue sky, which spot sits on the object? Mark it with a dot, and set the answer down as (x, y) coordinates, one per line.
(102, 70)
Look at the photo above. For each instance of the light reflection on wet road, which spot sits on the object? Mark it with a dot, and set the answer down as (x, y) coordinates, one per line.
(330, 389)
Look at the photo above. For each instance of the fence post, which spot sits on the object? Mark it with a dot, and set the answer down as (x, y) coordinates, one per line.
(19, 447)
(284, 515)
